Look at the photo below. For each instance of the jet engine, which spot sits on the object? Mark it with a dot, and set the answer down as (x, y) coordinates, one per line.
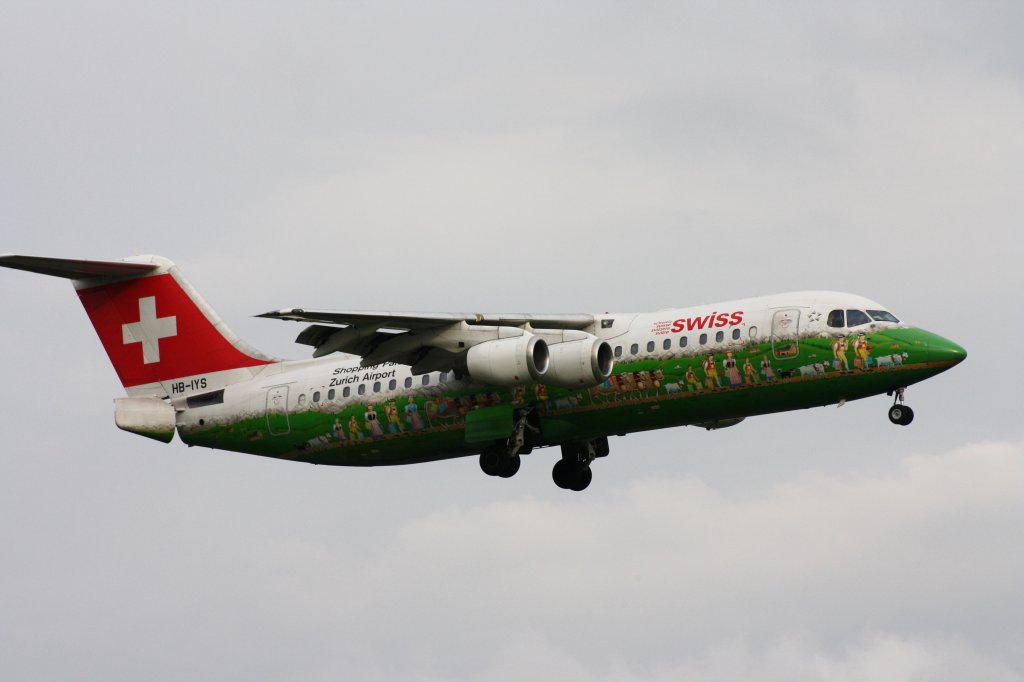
(509, 361)
(579, 364)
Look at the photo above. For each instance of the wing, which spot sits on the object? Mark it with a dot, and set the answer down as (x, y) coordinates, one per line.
(427, 341)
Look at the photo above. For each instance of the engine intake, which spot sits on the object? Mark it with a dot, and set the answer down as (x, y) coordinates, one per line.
(509, 361)
(579, 364)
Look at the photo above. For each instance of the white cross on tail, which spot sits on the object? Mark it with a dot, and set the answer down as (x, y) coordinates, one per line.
(149, 330)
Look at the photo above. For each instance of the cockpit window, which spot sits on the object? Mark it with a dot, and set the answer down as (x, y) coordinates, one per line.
(836, 318)
(855, 318)
(882, 316)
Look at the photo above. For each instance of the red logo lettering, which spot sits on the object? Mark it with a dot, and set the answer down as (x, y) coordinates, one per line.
(715, 319)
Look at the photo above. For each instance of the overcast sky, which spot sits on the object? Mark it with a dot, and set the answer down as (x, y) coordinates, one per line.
(521, 158)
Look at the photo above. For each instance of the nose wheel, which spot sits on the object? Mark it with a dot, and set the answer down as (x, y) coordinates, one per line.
(899, 413)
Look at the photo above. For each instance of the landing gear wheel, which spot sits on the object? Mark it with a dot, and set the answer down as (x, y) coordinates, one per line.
(583, 478)
(901, 414)
(491, 461)
(562, 474)
(509, 466)
(571, 475)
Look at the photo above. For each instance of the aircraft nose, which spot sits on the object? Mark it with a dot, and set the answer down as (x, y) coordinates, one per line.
(944, 351)
(952, 352)
(928, 347)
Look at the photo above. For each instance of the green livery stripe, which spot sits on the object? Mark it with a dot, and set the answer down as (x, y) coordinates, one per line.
(642, 394)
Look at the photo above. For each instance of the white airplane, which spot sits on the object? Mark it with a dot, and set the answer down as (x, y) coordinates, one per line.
(416, 387)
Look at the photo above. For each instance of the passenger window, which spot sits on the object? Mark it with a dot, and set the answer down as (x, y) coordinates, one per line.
(855, 318)
(667, 344)
(836, 319)
(346, 392)
(634, 349)
(376, 387)
(316, 396)
(408, 382)
(302, 399)
(426, 380)
(650, 346)
(362, 389)
(618, 351)
(392, 385)
(703, 339)
(683, 341)
(753, 332)
(330, 394)
(719, 337)
(735, 334)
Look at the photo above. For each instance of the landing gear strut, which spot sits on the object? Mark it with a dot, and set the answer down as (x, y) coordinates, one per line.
(502, 458)
(573, 472)
(899, 413)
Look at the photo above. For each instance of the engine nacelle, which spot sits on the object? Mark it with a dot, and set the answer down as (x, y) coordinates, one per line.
(579, 364)
(509, 361)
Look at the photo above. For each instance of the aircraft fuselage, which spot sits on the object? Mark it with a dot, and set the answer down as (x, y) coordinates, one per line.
(708, 365)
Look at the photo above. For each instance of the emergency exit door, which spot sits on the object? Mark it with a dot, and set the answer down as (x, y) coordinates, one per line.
(277, 411)
(786, 333)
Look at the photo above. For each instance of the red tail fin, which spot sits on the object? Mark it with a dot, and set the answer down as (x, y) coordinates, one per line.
(154, 326)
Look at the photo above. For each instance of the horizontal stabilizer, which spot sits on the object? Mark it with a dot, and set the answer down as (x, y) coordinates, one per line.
(73, 268)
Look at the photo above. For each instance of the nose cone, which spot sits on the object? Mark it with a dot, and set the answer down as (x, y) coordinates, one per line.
(940, 350)
(954, 353)
(924, 346)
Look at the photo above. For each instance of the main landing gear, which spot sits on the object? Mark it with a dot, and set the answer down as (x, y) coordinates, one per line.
(502, 458)
(899, 413)
(572, 472)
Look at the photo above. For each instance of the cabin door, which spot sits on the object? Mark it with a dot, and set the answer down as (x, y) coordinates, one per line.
(277, 411)
(786, 333)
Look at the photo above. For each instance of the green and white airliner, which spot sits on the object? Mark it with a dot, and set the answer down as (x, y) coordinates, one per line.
(387, 388)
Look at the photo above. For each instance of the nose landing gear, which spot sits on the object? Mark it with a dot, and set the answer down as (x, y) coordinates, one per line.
(899, 413)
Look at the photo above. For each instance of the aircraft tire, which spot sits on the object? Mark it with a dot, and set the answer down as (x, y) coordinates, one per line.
(562, 474)
(491, 461)
(584, 475)
(901, 415)
(509, 466)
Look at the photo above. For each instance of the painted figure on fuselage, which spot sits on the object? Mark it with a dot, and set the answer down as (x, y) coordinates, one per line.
(692, 382)
(371, 423)
(862, 350)
(412, 415)
(749, 373)
(711, 378)
(732, 372)
(394, 421)
(353, 429)
(839, 348)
